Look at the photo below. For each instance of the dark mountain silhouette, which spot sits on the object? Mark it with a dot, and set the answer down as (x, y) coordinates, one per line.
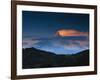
(35, 58)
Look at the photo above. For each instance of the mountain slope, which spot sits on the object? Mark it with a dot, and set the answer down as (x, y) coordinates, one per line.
(35, 58)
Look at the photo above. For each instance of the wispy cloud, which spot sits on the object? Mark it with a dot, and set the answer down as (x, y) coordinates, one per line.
(29, 42)
(68, 43)
(70, 32)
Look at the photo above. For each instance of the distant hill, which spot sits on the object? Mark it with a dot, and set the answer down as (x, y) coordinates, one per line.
(35, 58)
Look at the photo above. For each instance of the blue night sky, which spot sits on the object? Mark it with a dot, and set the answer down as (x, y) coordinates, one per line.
(61, 33)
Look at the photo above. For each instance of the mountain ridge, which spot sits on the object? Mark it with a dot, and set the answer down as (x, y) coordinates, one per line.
(35, 58)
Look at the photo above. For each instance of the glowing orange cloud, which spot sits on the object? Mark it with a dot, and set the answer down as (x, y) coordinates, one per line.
(69, 32)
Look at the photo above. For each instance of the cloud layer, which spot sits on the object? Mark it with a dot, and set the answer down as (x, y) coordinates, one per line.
(59, 45)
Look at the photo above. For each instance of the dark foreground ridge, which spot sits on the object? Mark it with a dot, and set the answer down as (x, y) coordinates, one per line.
(35, 58)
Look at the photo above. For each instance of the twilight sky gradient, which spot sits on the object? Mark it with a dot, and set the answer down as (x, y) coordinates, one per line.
(61, 33)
